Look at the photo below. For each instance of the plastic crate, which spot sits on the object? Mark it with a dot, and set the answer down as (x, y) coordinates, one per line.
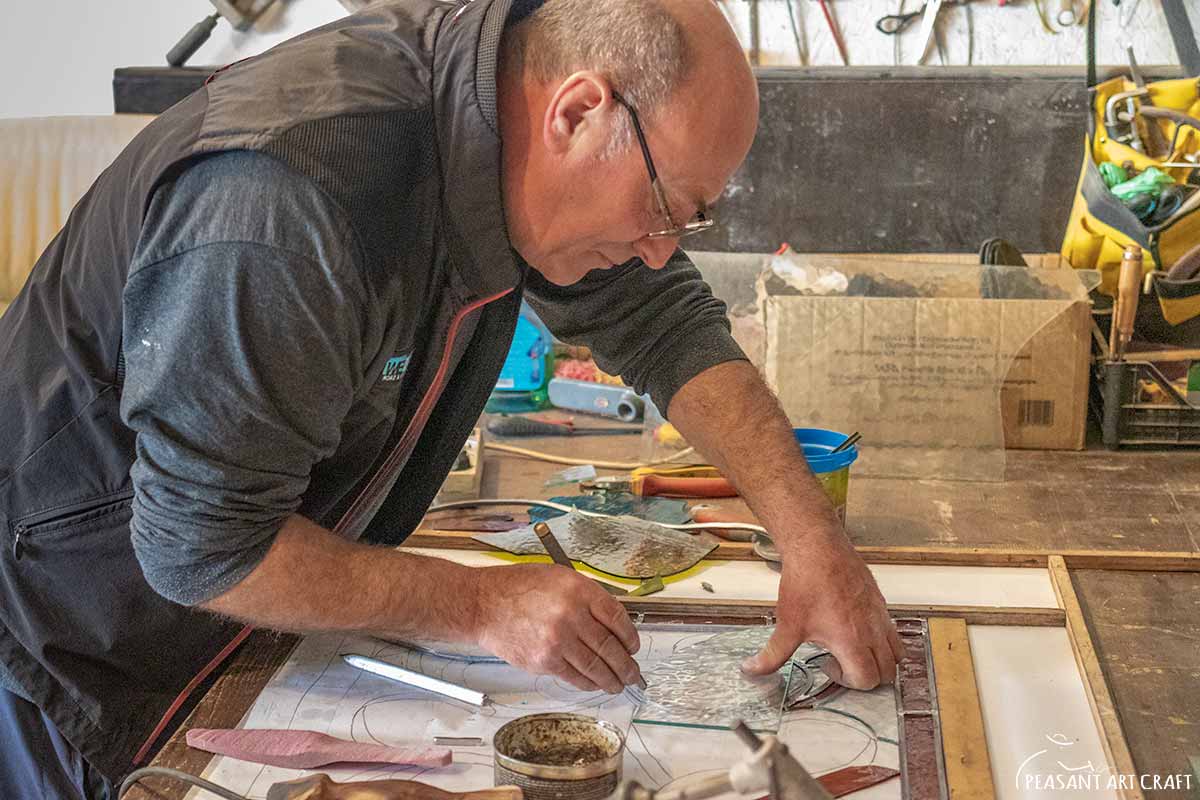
(1126, 416)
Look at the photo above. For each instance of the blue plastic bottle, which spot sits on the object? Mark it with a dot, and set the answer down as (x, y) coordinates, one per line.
(527, 369)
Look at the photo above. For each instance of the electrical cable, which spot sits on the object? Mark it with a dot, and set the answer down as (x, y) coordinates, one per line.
(185, 777)
(553, 459)
(516, 501)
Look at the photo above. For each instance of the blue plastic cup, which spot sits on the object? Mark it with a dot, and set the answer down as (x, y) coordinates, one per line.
(832, 469)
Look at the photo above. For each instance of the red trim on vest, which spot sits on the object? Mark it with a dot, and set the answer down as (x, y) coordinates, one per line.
(187, 691)
(219, 70)
(417, 423)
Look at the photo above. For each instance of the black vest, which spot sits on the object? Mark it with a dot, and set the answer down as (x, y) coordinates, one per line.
(392, 112)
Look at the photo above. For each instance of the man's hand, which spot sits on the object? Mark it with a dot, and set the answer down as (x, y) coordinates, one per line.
(827, 596)
(547, 619)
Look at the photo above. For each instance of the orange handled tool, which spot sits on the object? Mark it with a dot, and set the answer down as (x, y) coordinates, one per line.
(693, 481)
(663, 486)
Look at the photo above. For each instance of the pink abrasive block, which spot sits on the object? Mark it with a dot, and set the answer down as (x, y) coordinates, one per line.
(308, 749)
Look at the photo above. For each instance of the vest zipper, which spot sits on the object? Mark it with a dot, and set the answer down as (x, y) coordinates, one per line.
(18, 549)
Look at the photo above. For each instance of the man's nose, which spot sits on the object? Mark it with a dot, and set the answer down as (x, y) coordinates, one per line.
(656, 252)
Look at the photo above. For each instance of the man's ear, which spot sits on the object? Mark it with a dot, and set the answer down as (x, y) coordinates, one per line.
(577, 114)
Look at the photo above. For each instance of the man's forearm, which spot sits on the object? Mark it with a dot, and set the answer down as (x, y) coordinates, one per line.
(732, 418)
(827, 595)
(311, 579)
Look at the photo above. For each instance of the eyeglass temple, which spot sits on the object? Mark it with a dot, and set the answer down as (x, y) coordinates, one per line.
(655, 184)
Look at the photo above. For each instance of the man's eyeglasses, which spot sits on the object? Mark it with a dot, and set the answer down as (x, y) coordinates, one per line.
(701, 222)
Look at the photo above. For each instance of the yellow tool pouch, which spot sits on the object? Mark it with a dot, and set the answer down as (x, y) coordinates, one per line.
(1119, 132)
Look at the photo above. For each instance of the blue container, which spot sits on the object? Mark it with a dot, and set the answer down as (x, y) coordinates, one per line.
(831, 469)
(521, 385)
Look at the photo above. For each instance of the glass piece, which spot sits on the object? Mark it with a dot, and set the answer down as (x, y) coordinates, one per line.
(873, 712)
(583, 472)
(622, 546)
(701, 684)
(807, 679)
(617, 504)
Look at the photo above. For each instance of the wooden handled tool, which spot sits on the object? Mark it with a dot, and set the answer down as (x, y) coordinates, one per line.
(1129, 286)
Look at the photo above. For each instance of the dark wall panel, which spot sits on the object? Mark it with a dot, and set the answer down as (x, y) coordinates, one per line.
(913, 159)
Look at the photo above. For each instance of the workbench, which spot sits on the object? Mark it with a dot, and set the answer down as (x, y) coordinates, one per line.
(1126, 524)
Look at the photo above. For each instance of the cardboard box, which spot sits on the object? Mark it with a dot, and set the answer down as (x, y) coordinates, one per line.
(944, 380)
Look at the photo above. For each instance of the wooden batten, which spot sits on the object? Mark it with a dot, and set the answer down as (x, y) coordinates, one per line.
(701, 610)
(1100, 699)
(964, 742)
(1137, 560)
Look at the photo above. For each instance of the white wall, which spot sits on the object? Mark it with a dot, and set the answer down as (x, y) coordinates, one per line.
(1008, 35)
(57, 56)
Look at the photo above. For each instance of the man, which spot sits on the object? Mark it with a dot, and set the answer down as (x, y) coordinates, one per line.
(268, 327)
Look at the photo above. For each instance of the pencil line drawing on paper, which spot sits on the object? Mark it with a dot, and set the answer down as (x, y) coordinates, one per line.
(316, 690)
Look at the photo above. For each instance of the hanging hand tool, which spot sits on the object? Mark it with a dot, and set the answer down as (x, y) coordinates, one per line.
(241, 15)
(755, 52)
(1066, 13)
(524, 426)
(1155, 142)
(797, 35)
(1181, 120)
(928, 28)
(893, 24)
(1115, 120)
(192, 41)
(835, 31)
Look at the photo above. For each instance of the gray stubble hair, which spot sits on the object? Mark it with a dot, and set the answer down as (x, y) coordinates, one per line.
(637, 44)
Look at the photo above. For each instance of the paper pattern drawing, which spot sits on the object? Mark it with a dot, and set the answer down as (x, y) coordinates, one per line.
(316, 690)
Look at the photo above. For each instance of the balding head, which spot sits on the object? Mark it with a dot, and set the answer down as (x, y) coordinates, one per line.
(576, 186)
(647, 49)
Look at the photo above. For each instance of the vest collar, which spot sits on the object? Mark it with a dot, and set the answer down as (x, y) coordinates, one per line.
(465, 100)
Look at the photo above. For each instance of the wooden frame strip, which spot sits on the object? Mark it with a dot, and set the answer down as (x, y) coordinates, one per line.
(964, 742)
(1135, 560)
(706, 610)
(1138, 560)
(1100, 699)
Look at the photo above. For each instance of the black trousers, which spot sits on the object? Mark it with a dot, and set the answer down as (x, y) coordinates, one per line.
(37, 763)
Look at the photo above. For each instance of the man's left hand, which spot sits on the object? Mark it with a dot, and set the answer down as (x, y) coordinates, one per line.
(827, 596)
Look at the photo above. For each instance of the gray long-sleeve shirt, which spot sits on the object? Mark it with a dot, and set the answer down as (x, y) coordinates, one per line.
(243, 314)
(245, 309)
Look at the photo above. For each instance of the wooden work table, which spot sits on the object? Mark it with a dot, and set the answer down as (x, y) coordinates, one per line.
(1139, 511)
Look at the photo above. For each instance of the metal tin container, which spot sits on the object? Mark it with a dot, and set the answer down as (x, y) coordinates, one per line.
(559, 756)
